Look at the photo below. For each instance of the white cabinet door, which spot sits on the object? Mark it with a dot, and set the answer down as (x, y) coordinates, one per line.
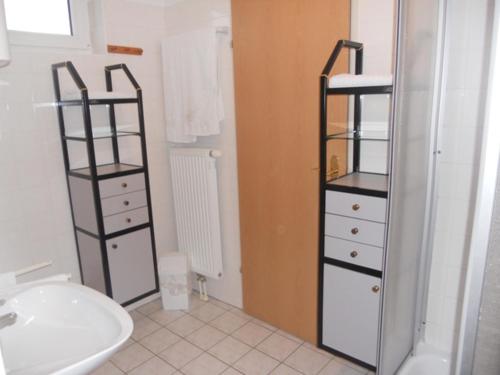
(351, 313)
(131, 265)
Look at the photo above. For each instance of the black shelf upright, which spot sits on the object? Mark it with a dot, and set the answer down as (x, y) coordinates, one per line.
(355, 182)
(97, 173)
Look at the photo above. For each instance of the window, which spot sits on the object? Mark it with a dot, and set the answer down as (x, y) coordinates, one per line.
(48, 23)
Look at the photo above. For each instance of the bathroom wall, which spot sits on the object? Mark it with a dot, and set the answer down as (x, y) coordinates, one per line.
(458, 141)
(373, 23)
(35, 221)
(194, 14)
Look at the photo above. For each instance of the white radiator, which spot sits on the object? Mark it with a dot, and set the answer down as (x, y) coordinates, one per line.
(196, 203)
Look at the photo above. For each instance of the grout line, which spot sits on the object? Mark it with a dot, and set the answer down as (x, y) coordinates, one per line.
(226, 335)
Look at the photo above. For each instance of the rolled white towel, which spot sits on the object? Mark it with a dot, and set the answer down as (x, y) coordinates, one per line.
(359, 80)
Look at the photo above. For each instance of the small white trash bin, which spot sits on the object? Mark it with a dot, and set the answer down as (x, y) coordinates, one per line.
(175, 281)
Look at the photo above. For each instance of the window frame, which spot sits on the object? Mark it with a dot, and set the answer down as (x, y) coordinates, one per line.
(80, 38)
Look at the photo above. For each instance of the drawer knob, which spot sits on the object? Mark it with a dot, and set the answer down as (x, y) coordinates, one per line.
(114, 246)
(375, 289)
(126, 203)
(354, 254)
(128, 220)
(124, 185)
(355, 207)
(354, 230)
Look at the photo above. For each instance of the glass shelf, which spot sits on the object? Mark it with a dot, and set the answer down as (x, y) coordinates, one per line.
(362, 135)
(102, 133)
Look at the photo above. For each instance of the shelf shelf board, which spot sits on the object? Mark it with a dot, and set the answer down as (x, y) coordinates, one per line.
(74, 102)
(362, 135)
(80, 136)
(361, 183)
(108, 170)
(366, 90)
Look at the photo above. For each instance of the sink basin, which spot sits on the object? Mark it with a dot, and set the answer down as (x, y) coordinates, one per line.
(61, 328)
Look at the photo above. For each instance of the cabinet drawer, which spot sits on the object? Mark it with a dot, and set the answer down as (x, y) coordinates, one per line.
(354, 253)
(356, 205)
(367, 232)
(121, 185)
(125, 202)
(351, 312)
(124, 220)
(131, 265)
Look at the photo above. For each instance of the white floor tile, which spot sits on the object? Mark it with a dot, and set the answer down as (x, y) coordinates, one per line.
(150, 307)
(289, 336)
(136, 315)
(221, 304)
(165, 317)
(159, 340)
(153, 366)
(197, 344)
(240, 312)
(284, 370)
(144, 327)
(228, 322)
(107, 369)
(231, 371)
(307, 361)
(229, 350)
(206, 337)
(278, 347)
(256, 363)
(180, 354)
(207, 312)
(337, 368)
(251, 334)
(205, 364)
(131, 357)
(185, 325)
(264, 324)
(350, 364)
(126, 344)
(195, 302)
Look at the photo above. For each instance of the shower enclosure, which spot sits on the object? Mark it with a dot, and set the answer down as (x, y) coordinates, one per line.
(444, 161)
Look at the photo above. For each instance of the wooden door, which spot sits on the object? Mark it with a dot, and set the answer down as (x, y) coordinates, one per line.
(280, 48)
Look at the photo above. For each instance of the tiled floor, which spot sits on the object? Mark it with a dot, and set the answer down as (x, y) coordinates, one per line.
(216, 338)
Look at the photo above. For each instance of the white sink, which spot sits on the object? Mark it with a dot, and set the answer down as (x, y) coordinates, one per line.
(61, 328)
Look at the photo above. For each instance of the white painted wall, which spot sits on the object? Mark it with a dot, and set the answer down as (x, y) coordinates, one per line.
(459, 141)
(189, 15)
(35, 221)
(372, 23)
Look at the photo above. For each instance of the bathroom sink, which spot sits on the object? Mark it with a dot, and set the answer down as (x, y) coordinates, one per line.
(61, 328)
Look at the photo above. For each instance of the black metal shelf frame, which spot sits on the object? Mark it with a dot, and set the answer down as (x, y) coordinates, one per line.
(324, 184)
(93, 174)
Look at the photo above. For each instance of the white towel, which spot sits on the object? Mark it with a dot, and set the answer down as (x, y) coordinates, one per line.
(360, 80)
(193, 100)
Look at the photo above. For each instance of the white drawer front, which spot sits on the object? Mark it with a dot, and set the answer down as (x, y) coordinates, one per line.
(354, 253)
(367, 232)
(351, 312)
(356, 205)
(122, 185)
(125, 202)
(128, 219)
(131, 265)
